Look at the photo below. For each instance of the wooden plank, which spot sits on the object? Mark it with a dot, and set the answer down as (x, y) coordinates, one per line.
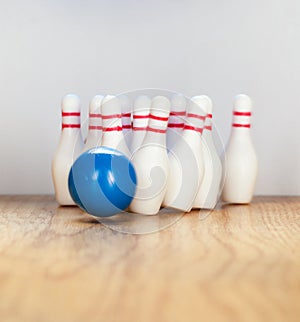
(238, 263)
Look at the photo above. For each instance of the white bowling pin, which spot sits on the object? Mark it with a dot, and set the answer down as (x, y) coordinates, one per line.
(112, 135)
(69, 148)
(208, 194)
(176, 120)
(95, 123)
(151, 161)
(141, 111)
(240, 162)
(186, 162)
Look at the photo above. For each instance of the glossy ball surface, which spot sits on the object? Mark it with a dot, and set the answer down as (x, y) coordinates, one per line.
(102, 182)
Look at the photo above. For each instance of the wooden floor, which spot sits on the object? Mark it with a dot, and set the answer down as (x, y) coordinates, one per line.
(238, 263)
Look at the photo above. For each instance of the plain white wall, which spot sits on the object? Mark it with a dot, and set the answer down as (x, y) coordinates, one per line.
(218, 48)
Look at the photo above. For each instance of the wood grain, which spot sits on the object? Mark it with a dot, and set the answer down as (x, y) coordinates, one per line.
(238, 263)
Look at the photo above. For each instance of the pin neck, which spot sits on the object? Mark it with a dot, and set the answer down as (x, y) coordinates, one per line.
(176, 120)
(140, 121)
(126, 121)
(95, 122)
(194, 122)
(158, 123)
(156, 129)
(111, 123)
(241, 119)
(70, 120)
(112, 134)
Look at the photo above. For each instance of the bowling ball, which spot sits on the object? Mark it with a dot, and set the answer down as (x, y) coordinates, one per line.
(102, 181)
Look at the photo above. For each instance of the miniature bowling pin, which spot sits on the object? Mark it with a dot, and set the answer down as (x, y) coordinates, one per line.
(151, 161)
(186, 162)
(240, 161)
(69, 148)
(208, 194)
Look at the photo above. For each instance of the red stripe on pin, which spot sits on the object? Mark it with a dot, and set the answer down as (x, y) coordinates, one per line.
(176, 125)
(200, 117)
(112, 116)
(95, 127)
(70, 114)
(110, 129)
(95, 115)
(151, 129)
(193, 128)
(181, 113)
(71, 126)
(135, 128)
(241, 125)
(126, 126)
(237, 113)
(141, 116)
(209, 116)
(208, 127)
(158, 118)
(126, 114)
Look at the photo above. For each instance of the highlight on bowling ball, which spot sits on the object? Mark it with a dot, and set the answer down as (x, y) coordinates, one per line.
(102, 181)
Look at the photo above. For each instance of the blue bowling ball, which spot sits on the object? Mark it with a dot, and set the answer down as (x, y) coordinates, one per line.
(102, 181)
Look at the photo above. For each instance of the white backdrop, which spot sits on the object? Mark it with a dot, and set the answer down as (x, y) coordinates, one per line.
(218, 48)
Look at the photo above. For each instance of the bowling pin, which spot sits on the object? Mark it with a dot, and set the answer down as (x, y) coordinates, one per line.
(240, 161)
(141, 111)
(176, 120)
(112, 135)
(151, 161)
(186, 162)
(208, 194)
(95, 123)
(69, 148)
(126, 108)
